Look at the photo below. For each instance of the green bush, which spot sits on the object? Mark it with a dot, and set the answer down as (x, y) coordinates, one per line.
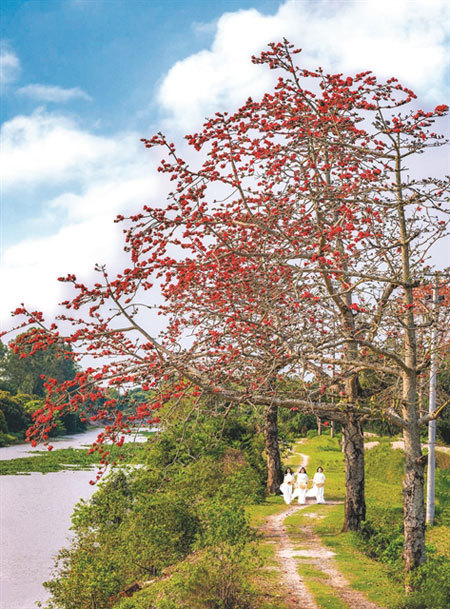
(162, 516)
(16, 417)
(215, 578)
(442, 489)
(381, 535)
(431, 583)
(3, 423)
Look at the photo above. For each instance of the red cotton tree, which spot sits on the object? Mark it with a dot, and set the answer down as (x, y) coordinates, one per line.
(287, 262)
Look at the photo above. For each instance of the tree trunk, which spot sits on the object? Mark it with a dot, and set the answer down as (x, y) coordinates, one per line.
(274, 475)
(319, 426)
(355, 504)
(413, 501)
(413, 483)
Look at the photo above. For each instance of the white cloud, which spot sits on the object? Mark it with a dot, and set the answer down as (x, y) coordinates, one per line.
(402, 38)
(50, 149)
(9, 65)
(99, 176)
(53, 93)
(31, 267)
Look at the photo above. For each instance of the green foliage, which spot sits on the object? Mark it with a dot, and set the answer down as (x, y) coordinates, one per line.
(221, 523)
(442, 490)
(15, 414)
(3, 423)
(216, 578)
(23, 374)
(183, 510)
(23, 392)
(431, 584)
(6, 439)
(295, 424)
(381, 535)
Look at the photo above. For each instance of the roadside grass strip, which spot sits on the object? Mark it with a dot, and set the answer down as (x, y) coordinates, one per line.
(320, 586)
(268, 578)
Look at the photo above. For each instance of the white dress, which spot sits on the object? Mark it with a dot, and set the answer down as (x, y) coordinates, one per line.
(287, 487)
(302, 484)
(319, 481)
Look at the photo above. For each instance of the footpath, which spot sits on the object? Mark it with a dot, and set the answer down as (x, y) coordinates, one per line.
(313, 553)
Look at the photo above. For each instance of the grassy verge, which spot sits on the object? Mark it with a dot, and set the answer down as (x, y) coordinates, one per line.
(268, 578)
(379, 582)
(320, 588)
(326, 452)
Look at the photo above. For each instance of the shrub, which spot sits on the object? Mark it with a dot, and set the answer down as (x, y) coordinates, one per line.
(431, 583)
(442, 460)
(381, 535)
(442, 488)
(215, 578)
(16, 417)
(3, 423)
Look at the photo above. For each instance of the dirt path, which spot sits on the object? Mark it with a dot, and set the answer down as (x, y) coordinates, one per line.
(275, 532)
(313, 552)
(399, 444)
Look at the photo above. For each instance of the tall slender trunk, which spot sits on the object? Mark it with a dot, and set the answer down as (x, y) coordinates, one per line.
(353, 443)
(274, 475)
(413, 483)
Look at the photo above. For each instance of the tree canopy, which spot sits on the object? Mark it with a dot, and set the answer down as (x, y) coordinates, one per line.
(293, 249)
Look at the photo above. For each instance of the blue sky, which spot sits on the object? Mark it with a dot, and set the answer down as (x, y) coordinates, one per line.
(114, 50)
(83, 80)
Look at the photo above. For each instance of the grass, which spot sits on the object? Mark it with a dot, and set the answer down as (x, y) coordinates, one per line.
(65, 458)
(319, 586)
(366, 575)
(384, 473)
(326, 452)
(370, 577)
(268, 578)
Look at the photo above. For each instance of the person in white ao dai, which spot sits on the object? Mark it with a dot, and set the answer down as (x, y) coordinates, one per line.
(302, 485)
(287, 486)
(319, 483)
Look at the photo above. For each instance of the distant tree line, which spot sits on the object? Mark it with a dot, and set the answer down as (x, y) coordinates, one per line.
(22, 391)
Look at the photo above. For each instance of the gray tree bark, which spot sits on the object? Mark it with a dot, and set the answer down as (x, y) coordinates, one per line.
(353, 445)
(274, 474)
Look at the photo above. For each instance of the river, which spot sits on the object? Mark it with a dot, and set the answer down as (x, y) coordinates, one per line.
(35, 515)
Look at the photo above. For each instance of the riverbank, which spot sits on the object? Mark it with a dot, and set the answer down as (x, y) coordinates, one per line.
(36, 510)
